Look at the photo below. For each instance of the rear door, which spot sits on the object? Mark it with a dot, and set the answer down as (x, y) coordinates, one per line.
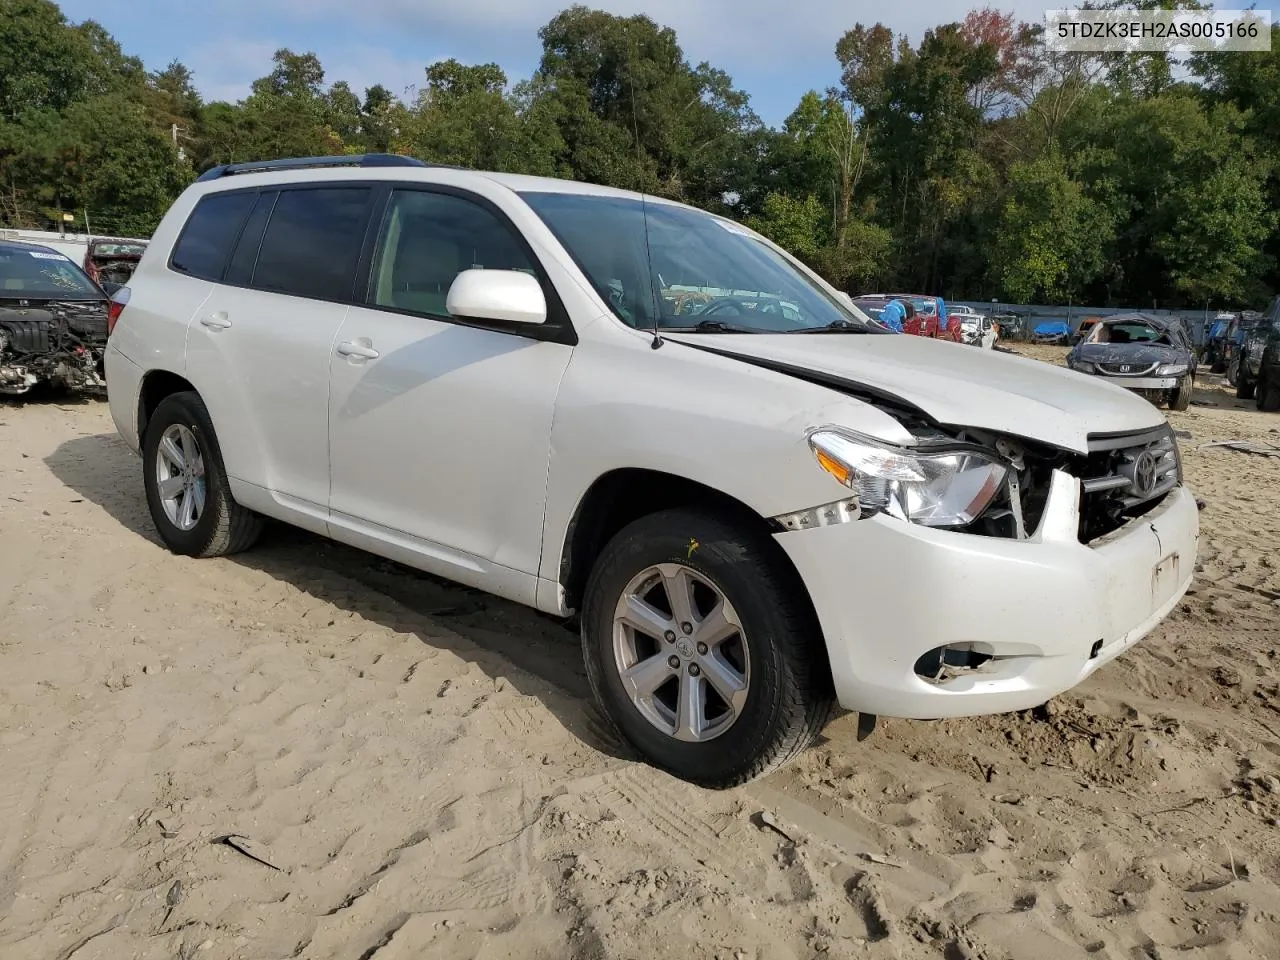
(258, 350)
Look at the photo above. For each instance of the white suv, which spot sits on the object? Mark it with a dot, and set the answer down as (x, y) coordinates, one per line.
(592, 401)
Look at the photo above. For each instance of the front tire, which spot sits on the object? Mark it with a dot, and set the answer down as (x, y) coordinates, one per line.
(1181, 397)
(702, 649)
(1244, 386)
(186, 483)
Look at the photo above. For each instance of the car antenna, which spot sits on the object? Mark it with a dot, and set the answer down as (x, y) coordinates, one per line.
(648, 269)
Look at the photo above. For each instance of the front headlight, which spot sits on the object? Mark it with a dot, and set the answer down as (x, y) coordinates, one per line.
(1082, 366)
(943, 487)
(1171, 370)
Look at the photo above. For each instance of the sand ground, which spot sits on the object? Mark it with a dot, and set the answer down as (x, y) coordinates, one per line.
(422, 769)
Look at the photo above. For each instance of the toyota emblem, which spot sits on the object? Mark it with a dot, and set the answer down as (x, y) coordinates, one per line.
(1144, 474)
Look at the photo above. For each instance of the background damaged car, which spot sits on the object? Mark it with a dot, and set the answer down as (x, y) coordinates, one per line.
(111, 263)
(53, 321)
(1150, 355)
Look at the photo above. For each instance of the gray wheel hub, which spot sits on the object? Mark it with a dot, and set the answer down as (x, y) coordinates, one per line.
(680, 652)
(180, 477)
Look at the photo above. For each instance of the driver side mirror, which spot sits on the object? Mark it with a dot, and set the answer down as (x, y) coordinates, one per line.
(510, 296)
(110, 288)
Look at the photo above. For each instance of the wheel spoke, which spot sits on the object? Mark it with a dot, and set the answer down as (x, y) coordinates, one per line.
(725, 680)
(639, 615)
(190, 449)
(679, 586)
(172, 453)
(647, 676)
(717, 626)
(187, 511)
(170, 488)
(690, 708)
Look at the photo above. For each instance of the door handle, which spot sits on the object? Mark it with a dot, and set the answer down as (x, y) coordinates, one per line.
(358, 349)
(216, 321)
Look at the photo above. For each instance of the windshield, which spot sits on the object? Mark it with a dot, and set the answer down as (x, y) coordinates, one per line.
(43, 275)
(1132, 332)
(118, 249)
(689, 270)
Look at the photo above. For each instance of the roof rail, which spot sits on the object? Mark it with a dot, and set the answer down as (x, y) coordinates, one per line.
(301, 163)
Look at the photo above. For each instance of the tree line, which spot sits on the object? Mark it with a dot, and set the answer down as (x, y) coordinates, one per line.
(976, 163)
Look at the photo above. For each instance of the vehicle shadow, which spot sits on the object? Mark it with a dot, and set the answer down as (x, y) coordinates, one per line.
(538, 656)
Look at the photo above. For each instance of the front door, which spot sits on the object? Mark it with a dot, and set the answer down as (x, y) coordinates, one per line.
(440, 429)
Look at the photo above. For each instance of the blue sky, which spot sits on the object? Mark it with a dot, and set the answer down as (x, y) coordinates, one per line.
(773, 49)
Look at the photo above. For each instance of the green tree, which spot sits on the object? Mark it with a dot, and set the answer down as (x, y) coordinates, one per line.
(1051, 239)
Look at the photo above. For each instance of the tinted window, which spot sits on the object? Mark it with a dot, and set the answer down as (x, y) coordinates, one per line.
(686, 267)
(42, 274)
(312, 243)
(240, 270)
(427, 239)
(206, 240)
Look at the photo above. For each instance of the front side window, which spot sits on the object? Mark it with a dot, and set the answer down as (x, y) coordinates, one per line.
(43, 275)
(205, 243)
(312, 243)
(657, 264)
(426, 240)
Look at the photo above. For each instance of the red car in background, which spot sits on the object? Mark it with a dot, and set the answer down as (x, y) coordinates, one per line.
(923, 324)
(112, 261)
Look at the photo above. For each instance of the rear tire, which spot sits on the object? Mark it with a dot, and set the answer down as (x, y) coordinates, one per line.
(1268, 393)
(776, 650)
(195, 514)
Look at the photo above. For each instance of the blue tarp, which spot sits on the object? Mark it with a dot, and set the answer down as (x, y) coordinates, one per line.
(1052, 328)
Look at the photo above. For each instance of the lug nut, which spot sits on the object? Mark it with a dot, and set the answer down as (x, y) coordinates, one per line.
(702, 649)
(687, 627)
(694, 670)
(669, 636)
(673, 662)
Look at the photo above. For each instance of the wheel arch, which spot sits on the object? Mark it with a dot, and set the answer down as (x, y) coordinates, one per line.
(624, 495)
(155, 386)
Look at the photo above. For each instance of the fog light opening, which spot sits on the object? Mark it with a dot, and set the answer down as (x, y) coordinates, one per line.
(948, 661)
(1095, 650)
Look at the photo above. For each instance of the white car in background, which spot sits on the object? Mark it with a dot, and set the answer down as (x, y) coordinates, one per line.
(587, 400)
(976, 329)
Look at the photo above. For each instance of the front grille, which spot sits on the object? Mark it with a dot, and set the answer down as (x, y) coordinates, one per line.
(1128, 369)
(1124, 477)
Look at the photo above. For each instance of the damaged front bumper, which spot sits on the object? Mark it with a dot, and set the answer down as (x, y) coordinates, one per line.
(1141, 383)
(926, 623)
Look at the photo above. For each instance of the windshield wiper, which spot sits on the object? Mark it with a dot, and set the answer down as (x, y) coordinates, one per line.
(709, 326)
(835, 326)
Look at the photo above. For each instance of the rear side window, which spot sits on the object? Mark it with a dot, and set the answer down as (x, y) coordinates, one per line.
(240, 270)
(312, 243)
(206, 240)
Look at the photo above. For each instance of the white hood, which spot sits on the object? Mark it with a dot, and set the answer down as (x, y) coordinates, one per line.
(957, 385)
